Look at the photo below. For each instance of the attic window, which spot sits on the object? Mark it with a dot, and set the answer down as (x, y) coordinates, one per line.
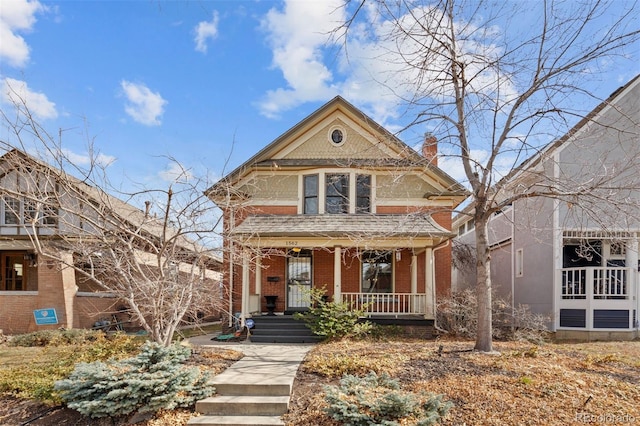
(337, 135)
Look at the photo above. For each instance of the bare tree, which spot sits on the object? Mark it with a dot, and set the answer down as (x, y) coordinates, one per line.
(503, 78)
(162, 261)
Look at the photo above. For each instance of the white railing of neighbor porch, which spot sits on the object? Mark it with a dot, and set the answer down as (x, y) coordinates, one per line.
(597, 282)
(387, 303)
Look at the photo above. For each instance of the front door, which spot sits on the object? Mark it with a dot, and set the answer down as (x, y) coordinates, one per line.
(298, 280)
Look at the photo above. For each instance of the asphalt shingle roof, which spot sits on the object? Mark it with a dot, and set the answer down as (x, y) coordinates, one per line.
(391, 225)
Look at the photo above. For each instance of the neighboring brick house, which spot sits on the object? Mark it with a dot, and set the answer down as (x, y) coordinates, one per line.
(574, 260)
(32, 203)
(338, 203)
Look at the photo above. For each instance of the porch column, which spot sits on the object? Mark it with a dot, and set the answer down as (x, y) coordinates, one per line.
(429, 287)
(245, 285)
(259, 275)
(414, 273)
(254, 302)
(414, 304)
(337, 274)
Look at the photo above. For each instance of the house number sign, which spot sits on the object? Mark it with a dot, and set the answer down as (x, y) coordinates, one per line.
(291, 243)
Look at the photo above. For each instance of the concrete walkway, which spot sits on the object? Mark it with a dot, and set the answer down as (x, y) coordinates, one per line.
(254, 390)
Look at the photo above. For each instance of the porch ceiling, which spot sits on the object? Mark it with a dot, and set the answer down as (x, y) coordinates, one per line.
(342, 225)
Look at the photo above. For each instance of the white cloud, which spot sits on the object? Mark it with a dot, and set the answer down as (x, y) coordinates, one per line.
(206, 30)
(17, 16)
(84, 159)
(372, 70)
(17, 93)
(297, 36)
(175, 173)
(143, 105)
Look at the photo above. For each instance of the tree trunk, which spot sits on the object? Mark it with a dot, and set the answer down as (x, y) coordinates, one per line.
(484, 342)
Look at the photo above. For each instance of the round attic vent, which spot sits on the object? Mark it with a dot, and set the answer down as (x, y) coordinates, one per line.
(337, 135)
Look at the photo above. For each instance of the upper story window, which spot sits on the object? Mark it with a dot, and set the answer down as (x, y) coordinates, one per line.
(23, 211)
(337, 194)
(340, 193)
(363, 194)
(11, 211)
(310, 184)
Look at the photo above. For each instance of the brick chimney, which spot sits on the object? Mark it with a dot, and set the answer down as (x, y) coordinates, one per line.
(430, 148)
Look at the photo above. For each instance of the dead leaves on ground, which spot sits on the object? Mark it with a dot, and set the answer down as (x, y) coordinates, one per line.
(552, 384)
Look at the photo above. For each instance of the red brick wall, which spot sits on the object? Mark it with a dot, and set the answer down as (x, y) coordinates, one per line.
(323, 261)
(16, 313)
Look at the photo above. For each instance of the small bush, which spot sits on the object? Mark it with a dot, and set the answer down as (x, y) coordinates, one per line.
(378, 400)
(332, 320)
(338, 365)
(155, 379)
(56, 337)
(458, 315)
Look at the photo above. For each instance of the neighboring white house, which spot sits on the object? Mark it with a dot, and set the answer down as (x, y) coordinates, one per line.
(575, 258)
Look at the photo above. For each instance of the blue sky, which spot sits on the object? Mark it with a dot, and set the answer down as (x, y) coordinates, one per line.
(207, 82)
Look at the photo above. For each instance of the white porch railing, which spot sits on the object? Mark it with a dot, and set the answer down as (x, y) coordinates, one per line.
(389, 303)
(596, 298)
(598, 282)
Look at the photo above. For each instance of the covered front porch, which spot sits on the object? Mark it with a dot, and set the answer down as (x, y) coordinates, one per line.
(386, 276)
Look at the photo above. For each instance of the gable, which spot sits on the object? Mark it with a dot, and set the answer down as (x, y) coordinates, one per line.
(309, 145)
(357, 142)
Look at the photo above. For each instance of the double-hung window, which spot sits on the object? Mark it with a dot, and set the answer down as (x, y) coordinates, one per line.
(337, 194)
(11, 214)
(363, 194)
(310, 184)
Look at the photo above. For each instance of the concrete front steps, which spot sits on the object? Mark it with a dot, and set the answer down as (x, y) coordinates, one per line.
(281, 329)
(254, 391)
(241, 404)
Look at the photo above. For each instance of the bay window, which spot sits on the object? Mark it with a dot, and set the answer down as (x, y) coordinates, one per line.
(336, 193)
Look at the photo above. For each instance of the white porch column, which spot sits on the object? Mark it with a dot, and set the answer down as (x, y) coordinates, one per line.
(245, 285)
(414, 273)
(337, 274)
(429, 287)
(259, 275)
(415, 305)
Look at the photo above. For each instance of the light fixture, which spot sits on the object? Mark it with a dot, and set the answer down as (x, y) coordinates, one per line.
(296, 249)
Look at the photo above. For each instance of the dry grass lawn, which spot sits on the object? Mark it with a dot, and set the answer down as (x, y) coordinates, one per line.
(525, 384)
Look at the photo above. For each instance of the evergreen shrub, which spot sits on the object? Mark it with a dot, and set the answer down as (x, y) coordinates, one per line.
(378, 401)
(333, 320)
(155, 379)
